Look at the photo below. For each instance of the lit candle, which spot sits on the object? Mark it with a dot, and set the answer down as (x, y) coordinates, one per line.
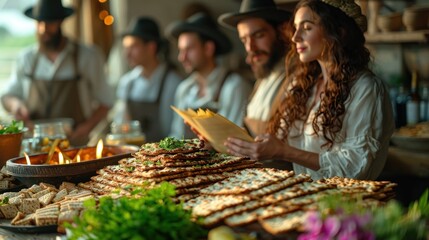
(60, 158)
(78, 158)
(99, 149)
(27, 159)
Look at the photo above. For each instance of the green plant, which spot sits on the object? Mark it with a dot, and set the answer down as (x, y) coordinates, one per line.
(394, 222)
(13, 127)
(341, 217)
(147, 214)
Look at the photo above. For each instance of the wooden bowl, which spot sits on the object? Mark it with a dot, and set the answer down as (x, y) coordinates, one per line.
(77, 172)
(416, 18)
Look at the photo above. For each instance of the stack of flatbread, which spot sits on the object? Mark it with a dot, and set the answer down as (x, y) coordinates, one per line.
(277, 199)
(188, 167)
(44, 204)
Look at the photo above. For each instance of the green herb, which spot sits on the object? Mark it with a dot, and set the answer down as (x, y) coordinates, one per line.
(130, 169)
(170, 143)
(390, 221)
(13, 127)
(4, 201)
(148, 214)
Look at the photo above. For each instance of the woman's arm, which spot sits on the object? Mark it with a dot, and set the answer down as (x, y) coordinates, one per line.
(268, 147)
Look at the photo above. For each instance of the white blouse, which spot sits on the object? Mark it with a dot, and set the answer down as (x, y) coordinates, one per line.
(360, 148)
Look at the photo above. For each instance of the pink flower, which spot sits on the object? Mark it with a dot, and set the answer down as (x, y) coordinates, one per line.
(331, 226)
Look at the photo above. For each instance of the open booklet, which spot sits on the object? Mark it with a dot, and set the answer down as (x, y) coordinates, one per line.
(213, 127)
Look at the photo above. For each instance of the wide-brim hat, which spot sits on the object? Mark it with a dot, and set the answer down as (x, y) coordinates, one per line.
(202, 24)
(48, 10)
(145, 28)
(265, 9)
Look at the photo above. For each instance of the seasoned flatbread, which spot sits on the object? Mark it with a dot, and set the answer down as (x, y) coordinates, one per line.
(248, 180)
(154, 149)
(171, 157)
(284, 223)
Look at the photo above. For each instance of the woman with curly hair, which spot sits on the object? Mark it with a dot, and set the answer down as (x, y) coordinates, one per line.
(336, 117)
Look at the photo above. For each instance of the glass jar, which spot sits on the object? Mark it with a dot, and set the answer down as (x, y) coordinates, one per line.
(45, 135)
(128, 132)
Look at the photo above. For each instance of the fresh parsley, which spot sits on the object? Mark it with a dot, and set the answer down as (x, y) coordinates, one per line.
(170, 143)
(147, 214)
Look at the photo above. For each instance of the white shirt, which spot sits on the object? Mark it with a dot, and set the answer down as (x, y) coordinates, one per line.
(260, 105)
(93, 87)
(360, 150)
(232, 100)
(147, 89)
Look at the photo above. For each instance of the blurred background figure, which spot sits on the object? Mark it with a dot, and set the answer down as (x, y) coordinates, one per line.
(209, 85)
(259, 28)
(58, 78)
(146, 92)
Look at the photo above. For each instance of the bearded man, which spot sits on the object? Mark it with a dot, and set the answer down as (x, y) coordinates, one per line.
(258, 24)
(209, 85)
(58, 78)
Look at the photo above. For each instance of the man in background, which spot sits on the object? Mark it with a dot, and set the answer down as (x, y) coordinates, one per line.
(58, 78)
(147, 91)
(258, 24)
(209, 86)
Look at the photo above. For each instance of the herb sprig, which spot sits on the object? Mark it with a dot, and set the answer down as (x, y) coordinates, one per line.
(170, 143)
(147, 214)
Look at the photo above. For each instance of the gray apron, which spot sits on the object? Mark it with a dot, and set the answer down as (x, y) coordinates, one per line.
(148, 113)
(56, 98)
(214, 105)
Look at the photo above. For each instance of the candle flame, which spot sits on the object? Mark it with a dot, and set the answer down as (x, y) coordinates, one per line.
(27, 159)
(99, 149)
(60, 158)
(78, 158)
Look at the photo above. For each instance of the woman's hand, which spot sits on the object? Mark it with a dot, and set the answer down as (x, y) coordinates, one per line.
(265, 147)
(206, 143)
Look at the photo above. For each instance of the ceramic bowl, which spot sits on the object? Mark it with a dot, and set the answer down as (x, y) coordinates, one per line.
(416, 17)
(75, 172)
(10, 146)
(390, 22)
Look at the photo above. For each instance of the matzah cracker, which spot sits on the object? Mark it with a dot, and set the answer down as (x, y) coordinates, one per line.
(248, 180)
(285, 223)
(206, 205)
(153, 149)
(9, 210)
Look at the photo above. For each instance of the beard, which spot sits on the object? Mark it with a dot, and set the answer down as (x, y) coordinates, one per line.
(53, 42)
(262, 70)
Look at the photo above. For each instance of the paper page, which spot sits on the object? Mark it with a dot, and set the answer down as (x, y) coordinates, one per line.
(213, 127)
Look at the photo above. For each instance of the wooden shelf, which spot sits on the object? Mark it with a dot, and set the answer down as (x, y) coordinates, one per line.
(421, 36)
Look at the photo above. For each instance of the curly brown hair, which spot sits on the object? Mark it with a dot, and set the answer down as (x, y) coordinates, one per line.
(347, 57)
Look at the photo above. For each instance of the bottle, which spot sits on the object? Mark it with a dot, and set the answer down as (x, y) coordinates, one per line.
(413, 102)
(401, 107)
(424, 104)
